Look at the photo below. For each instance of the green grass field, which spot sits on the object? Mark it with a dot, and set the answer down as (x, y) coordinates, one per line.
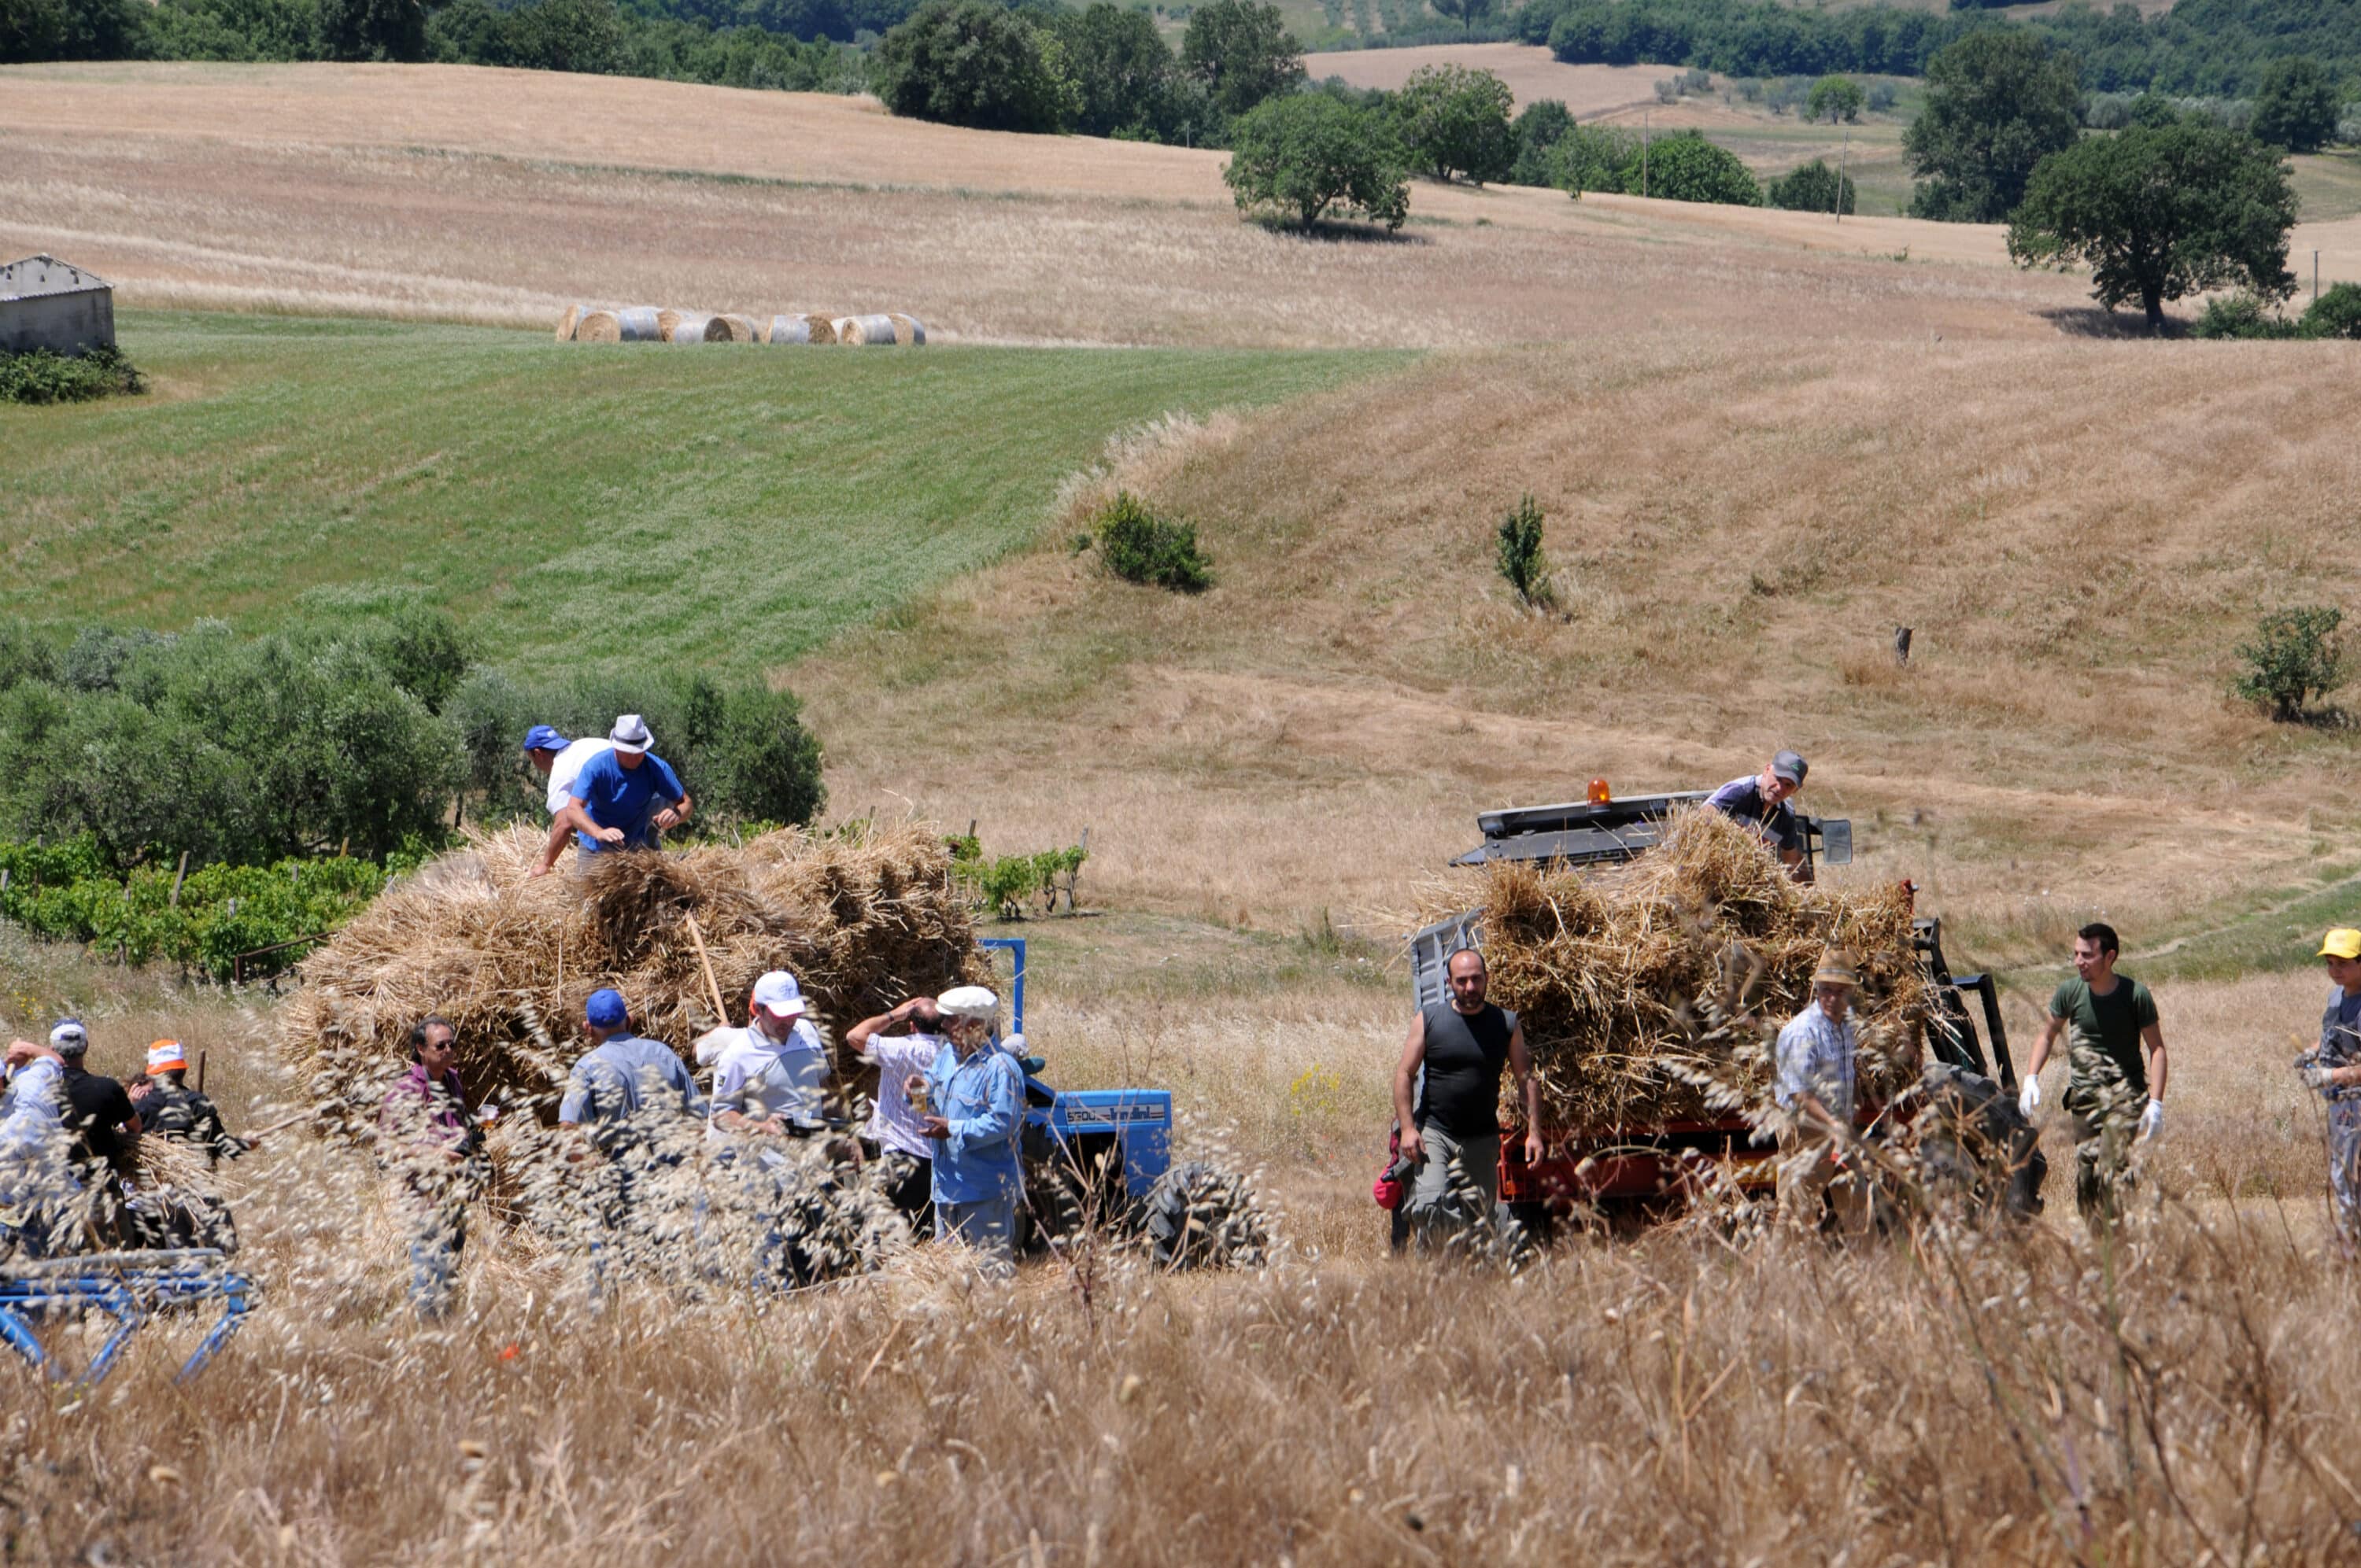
(606, 505)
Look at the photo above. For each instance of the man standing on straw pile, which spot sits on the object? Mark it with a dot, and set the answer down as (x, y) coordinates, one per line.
(170, 1109)
(767, 1076)
(2109, 1019)
(429, 1141)
(559, 762)
(617, 791)
(1814, 1085)
(2333, 1070)
(1760, 804)
(905, 1155)
(1447, 1104)
(973, 1110)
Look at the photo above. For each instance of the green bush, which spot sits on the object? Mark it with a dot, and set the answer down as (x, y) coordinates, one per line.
(2242, 315)
(38, 376)
(1454, 122)
(1591, 158)
(1538, 130)
(1835, 98)
(1814, 188)
(1306, 155)
(1685, 166)
(2296, 105)
(967, 62)
(1518, 546)
(2296, 655)
(1140, 547)
(1003, 883)
(2336, 314)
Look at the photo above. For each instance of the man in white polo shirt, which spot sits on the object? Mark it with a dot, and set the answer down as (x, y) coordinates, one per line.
(767, 1077)
(905, 1155)
(558, 761)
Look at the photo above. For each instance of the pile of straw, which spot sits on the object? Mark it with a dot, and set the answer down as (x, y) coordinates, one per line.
(865, 920)
(1650, 991)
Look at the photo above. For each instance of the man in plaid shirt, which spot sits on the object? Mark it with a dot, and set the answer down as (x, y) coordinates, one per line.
(1814, 1085)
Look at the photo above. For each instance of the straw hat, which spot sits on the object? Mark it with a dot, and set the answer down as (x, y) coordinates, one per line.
(1835, 968)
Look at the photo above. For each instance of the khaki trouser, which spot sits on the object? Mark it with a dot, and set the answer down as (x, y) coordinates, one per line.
(2103, 1136)
(1810, 1180)
(1458, 1183)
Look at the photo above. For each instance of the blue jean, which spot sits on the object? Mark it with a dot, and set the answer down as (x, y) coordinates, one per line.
(989, 1226)
(2345, 1165)
(440, 1231)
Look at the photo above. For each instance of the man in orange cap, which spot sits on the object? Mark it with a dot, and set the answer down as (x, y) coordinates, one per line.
(173, 1110)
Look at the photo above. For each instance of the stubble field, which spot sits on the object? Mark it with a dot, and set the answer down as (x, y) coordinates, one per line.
(1759, 449)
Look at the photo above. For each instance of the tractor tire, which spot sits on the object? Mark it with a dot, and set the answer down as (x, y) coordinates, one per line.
(1197, 1217)
(1051, 1213)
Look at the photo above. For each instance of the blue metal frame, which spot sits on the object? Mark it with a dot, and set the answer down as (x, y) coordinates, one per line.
(1016, 990)
(127, 1285)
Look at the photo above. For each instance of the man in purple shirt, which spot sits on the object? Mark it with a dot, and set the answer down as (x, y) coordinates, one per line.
(427, 1139)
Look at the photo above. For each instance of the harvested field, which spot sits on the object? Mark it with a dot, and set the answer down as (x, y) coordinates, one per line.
(863, 920)
(1530, 71)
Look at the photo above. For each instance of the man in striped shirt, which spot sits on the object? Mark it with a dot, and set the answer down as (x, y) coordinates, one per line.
(1814, 1085)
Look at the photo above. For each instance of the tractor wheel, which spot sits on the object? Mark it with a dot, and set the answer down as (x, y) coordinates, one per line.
(1197, 1217)
(1051, 1213)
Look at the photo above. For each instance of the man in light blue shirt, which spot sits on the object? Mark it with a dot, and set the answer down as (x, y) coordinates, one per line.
(37, 1181)
(622, 1078)
(618, 791)
(1814, 1085)
(974, 1112)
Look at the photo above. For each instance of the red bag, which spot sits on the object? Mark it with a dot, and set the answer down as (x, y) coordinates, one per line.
(1390, 1187)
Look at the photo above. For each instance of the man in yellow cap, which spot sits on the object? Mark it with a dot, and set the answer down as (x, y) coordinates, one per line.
(1814, 1062)
(2335, 1070)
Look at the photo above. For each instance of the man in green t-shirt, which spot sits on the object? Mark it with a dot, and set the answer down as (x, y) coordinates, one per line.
(2115, 1070)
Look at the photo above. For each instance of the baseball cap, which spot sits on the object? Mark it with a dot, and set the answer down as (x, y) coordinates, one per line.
(68, 1037)
(542, 738)
(1791, 766)
(778, 992)
(606, 1009)
(631, 734)
(968, 1001)
(2344, 942)
(166, 1056)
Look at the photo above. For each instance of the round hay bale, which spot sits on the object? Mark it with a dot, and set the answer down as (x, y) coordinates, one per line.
(641, 324)
(596, 326)
(690, 327)
(667, 319)
(822, 325)
(571, 322)
(908, 330)
(789, 329)
(734, 329)
(866, 331)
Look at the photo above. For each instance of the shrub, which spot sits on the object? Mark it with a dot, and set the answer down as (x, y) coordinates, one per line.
(2295, 656)
(1518, 549)
(1881, 97)
(2242, 315)
(1591, 158)
(1538, 130)
(1455, 121)
(38, 376)
(1003, 882)
(1835, 98)
(1306, 155)
(1140, 547)
(1814, 188)
(2336, 314)
(967, 62)
(1685, 166)
(2296, 106)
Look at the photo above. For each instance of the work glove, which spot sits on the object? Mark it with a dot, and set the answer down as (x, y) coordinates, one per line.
(2315, 1076)
(2028, 1099)
(2152, 1119)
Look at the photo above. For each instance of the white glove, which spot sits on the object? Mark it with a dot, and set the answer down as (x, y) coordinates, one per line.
(2152, 1119)
(2316, 1077)
(2028, 1099)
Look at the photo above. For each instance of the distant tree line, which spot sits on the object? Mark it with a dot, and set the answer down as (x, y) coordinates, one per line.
(2217, 47)
(361, 728)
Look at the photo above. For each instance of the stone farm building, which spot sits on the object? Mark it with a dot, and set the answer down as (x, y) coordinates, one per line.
(52, 304)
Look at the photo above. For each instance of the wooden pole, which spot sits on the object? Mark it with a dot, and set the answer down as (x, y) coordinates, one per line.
(178, 878)
(200, 1072)
(1844, 162)
(721, 1008)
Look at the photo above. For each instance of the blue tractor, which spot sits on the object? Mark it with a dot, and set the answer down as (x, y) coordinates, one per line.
(1101, 1160)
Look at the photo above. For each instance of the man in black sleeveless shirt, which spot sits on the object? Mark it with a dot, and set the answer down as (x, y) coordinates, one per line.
(1447, 1100)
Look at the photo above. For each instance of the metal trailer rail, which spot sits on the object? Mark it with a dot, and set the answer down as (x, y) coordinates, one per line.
(129, 1287)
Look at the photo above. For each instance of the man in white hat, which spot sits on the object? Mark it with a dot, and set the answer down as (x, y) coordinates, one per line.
(37, 1182)
(1815, 1084)
(905, 1155)
(767, 1077)
(618, 790)
(974, 1112)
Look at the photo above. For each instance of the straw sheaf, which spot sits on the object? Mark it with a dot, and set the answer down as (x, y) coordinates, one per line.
(865, 920)
(1650, 991)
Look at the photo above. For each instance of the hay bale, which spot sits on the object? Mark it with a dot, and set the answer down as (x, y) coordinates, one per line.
(570, 322)
(861, 331)
(1650, 991)
(800, 329)
(641, 323)
(732, 329)
(908, 330)
(598, 326)
(691, 326)
(865, 921)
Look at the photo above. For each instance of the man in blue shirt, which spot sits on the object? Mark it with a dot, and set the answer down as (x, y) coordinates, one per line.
(974, 1112)
(618, 789)
(1761, 805)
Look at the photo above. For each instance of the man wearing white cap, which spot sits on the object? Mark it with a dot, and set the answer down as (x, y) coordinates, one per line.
(767, 1077)
(906, 1156)
(617, 791)
(36, 1183)
(974, 1112)
(98, 1113)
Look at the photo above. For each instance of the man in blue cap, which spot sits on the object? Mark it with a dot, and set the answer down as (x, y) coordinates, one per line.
(618, 791)
(622, 1092)
(559, 762)
(1760, 805)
